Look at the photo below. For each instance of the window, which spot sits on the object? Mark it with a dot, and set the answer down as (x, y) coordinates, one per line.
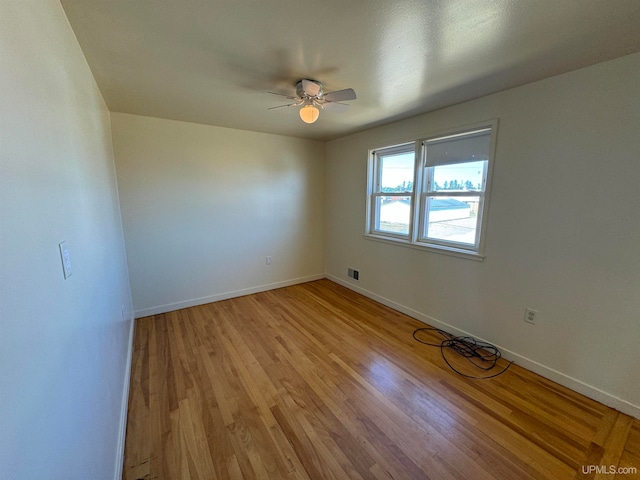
(392, 195)
(432, 192)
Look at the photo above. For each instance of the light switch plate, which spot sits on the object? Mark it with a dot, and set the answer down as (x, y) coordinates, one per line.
(65, 256)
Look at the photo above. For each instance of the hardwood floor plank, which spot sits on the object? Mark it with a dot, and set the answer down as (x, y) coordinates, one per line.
(192, 429)
(630, 458)
(614, 445)
(315, 381)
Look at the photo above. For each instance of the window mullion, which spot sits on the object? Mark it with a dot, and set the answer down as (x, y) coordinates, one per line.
(479, 216)
(424, 216)
(417, 189)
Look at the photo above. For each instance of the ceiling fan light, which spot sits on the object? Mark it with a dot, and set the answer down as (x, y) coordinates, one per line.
(309, 114)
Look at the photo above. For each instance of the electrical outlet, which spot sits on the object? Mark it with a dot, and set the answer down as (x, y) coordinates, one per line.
(351, 273)
(356, 275)
(530, 315)
(268, 260)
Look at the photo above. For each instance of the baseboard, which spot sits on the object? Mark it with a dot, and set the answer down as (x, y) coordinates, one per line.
(124, 409)
(565, 380)
(145, 312)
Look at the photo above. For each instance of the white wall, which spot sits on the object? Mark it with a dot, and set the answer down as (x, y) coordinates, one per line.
(203, 206)
(63, 343)
(563, 231)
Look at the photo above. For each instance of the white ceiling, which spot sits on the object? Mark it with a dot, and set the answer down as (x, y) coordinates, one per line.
(211, 61)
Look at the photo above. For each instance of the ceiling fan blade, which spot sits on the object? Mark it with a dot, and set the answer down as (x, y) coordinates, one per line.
(340, 95)
(288, 105)
(310, 88)
(290, 97)
(335, 107)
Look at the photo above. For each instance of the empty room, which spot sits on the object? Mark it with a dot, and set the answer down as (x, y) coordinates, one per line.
(357, 239)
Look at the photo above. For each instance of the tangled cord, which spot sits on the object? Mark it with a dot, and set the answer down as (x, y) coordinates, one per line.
(482, 355)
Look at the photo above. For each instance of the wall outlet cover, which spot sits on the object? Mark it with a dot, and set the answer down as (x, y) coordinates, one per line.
(65, 256)
(530, 315)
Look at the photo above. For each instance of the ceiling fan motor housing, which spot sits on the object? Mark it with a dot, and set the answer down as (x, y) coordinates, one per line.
(302, 94)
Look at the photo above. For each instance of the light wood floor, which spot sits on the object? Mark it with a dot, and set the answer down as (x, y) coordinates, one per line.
(317, 382)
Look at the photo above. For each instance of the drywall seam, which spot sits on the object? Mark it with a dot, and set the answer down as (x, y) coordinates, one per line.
(554, 375)
(145, 312)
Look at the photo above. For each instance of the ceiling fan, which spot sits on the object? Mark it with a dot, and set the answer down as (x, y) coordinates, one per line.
(310, 97)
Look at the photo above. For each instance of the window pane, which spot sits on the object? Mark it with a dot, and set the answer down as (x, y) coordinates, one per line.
(394, 214)
(452, 219)
(458, 177)
(396, 172)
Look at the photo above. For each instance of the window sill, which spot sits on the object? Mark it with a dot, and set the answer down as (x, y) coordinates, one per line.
(442, 250)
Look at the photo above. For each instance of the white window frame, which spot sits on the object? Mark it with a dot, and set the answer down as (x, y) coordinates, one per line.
(375, 189)
(422, 190)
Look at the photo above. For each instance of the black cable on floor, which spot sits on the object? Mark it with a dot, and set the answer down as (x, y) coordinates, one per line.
(482, 355)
